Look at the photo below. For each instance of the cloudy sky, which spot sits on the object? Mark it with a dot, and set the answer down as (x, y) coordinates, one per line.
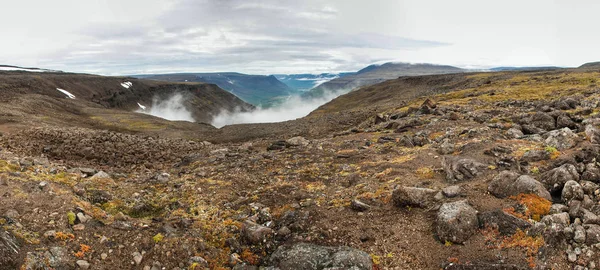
(265, 37)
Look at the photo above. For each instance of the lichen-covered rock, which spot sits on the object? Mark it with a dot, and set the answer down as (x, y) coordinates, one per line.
(593, 134)
(456, 222)
(9, 250)
(572, 191)
(256, 233)
(461, 169)
(503, 222)
(556, 178)
(561, 139)
(305, 256)
(413, 196)
(508, 183)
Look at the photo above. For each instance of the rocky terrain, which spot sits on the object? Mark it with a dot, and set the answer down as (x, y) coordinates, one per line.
(494, 170)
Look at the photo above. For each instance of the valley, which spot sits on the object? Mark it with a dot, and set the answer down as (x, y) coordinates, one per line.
(470, 170)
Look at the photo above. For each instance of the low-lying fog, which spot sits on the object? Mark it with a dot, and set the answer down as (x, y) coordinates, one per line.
(294, 107)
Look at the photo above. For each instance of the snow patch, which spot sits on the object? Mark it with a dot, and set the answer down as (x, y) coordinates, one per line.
(69, 95)
(142, 106)
(127, 84)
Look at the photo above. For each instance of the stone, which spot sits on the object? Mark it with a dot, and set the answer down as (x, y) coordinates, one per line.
(535, 155)
(103, 256)
(572, 191)
(592, 234)
(137, 257)
(255, 233)
(561, 139)
(446, 147)
(589, 187)
(579, 236)
(98, 196)
(456, 222)
(305, 256)
(11, 213)
(560, 218)
(298, 141)
(83, 264)
(78, 227)
(9, 250)
(44, 185)
(359, 206)
(564, 121)
(82, 217)
(593, 134)
(459, 169)
(558, 208)
(452, 191)
(162, 177)
(101, 175)
(513, 133)
(54, 258)
(505, 223)
(555, 179)
(413, 196)
(508, 183)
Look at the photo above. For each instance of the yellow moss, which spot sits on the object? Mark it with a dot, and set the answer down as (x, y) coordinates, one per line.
(425, 173)
(158, 238)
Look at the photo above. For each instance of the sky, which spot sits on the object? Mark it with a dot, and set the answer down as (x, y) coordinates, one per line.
(119, 37)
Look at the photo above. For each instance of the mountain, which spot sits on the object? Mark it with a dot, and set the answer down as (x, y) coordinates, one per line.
(305, 82)
(258, 90)
(378, 73)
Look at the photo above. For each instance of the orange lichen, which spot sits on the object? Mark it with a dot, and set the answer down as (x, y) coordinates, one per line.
(536, 206)
(64, 236)
(82, 250)
(249, 257)
(529, 243)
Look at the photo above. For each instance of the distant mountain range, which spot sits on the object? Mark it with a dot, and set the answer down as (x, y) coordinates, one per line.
(522, 68)
(378, 73)
(305, 82)
(259, 90)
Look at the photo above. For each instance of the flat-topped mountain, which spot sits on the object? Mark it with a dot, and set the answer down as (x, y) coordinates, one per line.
(378, 73)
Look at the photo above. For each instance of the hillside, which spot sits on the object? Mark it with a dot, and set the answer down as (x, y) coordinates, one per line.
(378, 73)
(490, 170)
(105, 101)
(258, 90)
(591, 65)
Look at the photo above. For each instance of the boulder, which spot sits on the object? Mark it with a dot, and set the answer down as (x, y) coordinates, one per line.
(298, 141)
(556, 178)
(461, 169)
(560, 218)
(572, 191)
(543, 121)
(513, 133)
(509, 183)
(591, 173)
(446, 147)
(505, 223)
(593, 134)
(413, 196)
(592, 234)
(256, 233)
(305, 256)
(535, 155)
(452, 191)
(359, 206)
(9, 250)
(101, 175)
(564, 121)
(456, 222)
(54, 258)
(561, 139)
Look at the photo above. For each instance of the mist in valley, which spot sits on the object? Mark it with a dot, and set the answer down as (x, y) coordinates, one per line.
(293, 108)
(172, 108)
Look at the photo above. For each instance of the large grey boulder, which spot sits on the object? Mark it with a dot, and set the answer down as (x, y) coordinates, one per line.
(456, 222)
(503, 222)
(459, 169)
(572, 191)
(556, 178)
(413, 196)
(508, 183)
(54, 258)
(306, 256)
(561, 139)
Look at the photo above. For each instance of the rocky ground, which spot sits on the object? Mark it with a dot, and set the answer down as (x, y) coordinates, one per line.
(465, 180)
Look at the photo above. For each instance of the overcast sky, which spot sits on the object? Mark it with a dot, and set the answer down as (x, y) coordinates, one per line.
(267, 37)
